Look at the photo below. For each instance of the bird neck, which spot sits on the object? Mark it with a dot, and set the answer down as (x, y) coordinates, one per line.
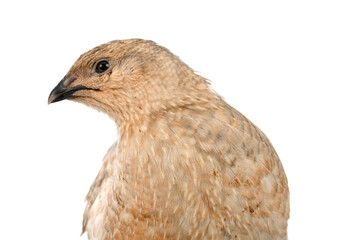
(137, 123)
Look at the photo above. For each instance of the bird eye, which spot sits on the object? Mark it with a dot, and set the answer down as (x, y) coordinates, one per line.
(102, 66)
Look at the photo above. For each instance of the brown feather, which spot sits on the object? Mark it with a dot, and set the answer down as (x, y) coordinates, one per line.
(186, 165)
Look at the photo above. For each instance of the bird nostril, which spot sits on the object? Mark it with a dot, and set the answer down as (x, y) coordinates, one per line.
(67, 80)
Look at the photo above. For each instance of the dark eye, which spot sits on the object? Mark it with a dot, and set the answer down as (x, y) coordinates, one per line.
(102, 66)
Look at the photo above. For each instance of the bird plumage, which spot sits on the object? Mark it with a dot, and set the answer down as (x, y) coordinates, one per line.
(186, 165)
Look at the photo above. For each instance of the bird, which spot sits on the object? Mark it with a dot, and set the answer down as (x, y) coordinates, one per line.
(186, 164)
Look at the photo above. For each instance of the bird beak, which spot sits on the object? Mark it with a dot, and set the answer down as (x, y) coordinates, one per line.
(63, 91)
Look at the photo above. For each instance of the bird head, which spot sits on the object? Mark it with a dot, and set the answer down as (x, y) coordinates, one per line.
(128, 80)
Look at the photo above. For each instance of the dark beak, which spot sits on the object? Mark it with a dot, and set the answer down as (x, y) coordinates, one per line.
(63, 91)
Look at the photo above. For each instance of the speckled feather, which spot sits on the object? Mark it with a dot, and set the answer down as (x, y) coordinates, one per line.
(186, 165)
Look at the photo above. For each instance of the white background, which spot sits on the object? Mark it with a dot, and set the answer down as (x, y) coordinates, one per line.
(275, 61)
